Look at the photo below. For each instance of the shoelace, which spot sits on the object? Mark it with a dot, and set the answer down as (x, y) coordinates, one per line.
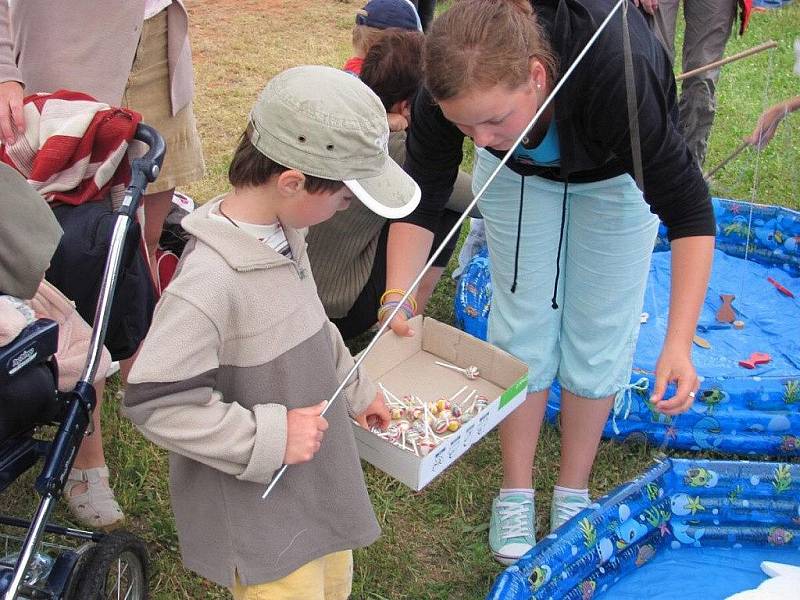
(568, 507)
(514, 518)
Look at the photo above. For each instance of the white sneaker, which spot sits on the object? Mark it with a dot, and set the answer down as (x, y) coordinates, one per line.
(564, 507)
(511, 528)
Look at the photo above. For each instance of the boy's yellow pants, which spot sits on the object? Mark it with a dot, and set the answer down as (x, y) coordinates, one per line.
(327, 578)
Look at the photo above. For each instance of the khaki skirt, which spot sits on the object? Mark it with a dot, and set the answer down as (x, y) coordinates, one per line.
(148, 92)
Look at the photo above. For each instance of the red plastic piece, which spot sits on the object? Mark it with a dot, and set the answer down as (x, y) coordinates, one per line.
(756, 358)
(725, 314)
(780, 288)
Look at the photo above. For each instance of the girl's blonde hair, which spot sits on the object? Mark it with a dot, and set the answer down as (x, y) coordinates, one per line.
(477, 44)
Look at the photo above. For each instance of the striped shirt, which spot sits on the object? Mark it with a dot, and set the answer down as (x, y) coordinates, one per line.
(270, 234)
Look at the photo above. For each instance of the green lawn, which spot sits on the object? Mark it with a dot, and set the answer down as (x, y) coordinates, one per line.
(434, 542)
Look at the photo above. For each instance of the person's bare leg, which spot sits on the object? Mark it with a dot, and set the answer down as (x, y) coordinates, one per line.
(95, 506)
(90, 454)
(582, 422)
(426, 287)
(156, 209)
(519, 436)
(125, 366)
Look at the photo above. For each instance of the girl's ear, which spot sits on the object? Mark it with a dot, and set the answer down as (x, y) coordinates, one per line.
(538, 74)
(290, 182)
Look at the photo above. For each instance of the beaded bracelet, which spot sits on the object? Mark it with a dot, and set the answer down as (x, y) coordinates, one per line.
(388, 307)
(400, 293)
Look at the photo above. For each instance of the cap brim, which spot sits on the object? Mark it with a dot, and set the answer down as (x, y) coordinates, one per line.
(393, 194)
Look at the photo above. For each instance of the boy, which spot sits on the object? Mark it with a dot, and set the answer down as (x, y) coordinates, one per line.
(391, 69)
(371, 21)
(348, 252)
(241, 358)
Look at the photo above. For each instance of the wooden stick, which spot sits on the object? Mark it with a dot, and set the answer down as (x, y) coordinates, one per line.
(707, 176)
(729, 59)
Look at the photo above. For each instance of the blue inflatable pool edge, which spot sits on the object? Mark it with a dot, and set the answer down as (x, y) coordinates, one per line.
(676, 503)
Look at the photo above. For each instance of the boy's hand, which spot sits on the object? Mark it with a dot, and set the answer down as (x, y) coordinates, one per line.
(376, 414)
(397, 122)
(304, 430)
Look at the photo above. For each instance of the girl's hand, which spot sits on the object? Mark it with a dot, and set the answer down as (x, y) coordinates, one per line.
(675, 365)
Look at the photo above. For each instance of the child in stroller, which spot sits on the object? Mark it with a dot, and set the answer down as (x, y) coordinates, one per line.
(29, 397)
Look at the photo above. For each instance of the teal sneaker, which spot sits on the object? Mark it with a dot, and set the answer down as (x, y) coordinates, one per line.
(564, 508)
(511, 529)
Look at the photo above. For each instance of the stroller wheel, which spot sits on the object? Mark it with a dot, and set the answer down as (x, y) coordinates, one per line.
(115, 567)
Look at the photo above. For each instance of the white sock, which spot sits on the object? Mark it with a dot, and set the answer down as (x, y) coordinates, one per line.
(561, 492)
(505, 492)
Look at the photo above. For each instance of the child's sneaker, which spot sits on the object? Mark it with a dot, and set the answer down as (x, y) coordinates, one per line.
(565, 506)
(511, 528)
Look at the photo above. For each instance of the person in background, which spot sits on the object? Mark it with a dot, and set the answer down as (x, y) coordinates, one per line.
(372, 20)
(709, 24)
(133, 53)
(348, 251)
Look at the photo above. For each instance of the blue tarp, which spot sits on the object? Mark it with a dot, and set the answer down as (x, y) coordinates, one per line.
(737, 410)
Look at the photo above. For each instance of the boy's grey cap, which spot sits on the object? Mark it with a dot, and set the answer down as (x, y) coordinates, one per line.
(327, 123)
(29, 234)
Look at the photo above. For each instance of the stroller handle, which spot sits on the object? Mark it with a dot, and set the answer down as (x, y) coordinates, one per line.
(144, 169)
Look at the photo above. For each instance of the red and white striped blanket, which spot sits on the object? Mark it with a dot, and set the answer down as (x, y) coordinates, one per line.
(74, 149)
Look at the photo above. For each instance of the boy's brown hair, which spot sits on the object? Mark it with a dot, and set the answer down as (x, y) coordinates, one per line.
(250, 168)
(393, 66)
(364, 37)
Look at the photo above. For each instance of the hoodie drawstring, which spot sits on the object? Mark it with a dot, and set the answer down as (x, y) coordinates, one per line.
(560, 243)
(519, 233)
(560, 239)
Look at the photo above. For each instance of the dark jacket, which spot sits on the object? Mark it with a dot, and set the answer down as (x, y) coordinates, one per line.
(592, 120)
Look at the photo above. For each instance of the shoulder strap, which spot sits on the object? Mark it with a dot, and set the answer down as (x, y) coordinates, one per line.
(630, 89)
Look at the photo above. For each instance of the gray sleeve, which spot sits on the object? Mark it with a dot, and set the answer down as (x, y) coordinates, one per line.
(8, 66)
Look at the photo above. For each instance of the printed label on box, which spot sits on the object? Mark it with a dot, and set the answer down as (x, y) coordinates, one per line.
(511, 392)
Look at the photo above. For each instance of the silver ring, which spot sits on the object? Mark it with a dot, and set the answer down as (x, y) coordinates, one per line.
(692, 394)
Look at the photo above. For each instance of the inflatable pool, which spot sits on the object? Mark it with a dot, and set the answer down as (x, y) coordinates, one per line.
(768, 4)
(690, 529)
(738, 409)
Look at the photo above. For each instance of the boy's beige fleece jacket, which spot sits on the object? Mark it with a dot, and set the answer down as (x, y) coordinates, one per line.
(238, 338)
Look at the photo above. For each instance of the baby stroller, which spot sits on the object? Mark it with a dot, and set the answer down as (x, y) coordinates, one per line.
(102, 565)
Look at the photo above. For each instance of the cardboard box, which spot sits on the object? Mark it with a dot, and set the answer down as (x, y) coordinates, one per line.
(408, 366)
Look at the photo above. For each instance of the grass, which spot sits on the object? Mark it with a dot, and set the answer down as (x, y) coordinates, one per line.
(434, 542)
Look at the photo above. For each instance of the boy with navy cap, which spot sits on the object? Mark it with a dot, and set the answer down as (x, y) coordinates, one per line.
(241, 359)
(372, 20)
